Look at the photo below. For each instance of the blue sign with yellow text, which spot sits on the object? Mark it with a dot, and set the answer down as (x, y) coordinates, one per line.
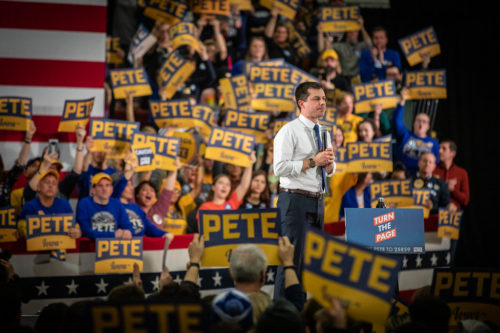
(396, 192)
(426, 84)
(112, 136)
(76, 112)
(422, 42)
(170, 12)
(369, 157)
(340, 18)
(15, 113)
(236, 92)
(250, 123)
(366, 95)
(8, 224)
(130, 81)
(230, 147)
(174, 71)
(49, 232)
(117, 255)
(449, 223)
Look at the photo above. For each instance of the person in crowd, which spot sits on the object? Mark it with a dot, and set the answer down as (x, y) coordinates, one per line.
(373, 62)
(399, 171)
(368, 131)
(257, 51)
(411, 145)
(100, 215)
(329, 74)
(358, 196)
(439, 196)
(277, 36)
(346, 120)
(258, 195)
(455, 176)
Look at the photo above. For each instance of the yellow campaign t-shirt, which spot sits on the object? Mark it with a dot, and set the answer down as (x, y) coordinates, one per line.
(349, 127)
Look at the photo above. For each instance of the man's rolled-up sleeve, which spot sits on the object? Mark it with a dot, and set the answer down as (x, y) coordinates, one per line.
(283, 164)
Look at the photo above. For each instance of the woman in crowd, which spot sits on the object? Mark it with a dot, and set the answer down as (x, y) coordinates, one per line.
(368, 131)
(258, 194)
(358, 196)
(346, 120)
(257, 51)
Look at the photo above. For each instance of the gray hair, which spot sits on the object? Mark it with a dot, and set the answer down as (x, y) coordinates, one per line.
(247, 262)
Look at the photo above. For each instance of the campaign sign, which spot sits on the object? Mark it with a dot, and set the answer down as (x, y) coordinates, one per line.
(396, 192)
(329, 118)
(272, 89)
(230, 147)
(49, 232)
(386, 230)
(112, 136)
(449, 223)
(173, 73)
(249, 123)
(210, 8)
(341, 160)
(288, 8)
(15, 113)
(166, 149)
(170, 12)
(188, 147)
(8, 224)
(362, 279)
(274, 200)
(146, 316)
(236, 92)
(144, 153)
(420, 198)
(131, 81)
(117, 255)
(184, 33)
(224, 230)
(112, 48)
(278, 124)
(471, 293)
(340, 19)
(296, 41)
(368, 94)
(140, 44)
(385, 138)
(421, 42)
(76, 112)
(426, 84)
(369, 156)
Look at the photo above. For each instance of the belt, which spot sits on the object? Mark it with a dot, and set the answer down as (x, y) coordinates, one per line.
(314, 195)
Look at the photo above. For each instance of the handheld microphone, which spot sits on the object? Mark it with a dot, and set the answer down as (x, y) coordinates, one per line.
(324, 136)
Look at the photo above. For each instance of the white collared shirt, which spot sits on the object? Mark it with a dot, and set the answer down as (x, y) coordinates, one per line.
(294, 143)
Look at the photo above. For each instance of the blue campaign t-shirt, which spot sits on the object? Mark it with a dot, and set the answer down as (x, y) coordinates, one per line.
(35, 207)
(140, 223)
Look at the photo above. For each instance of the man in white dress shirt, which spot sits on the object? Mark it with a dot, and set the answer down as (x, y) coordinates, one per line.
(302, 164)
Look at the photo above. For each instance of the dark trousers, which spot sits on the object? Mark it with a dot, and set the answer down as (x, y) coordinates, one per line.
(297, 211)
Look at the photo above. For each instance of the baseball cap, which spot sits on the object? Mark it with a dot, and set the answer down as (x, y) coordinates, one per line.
(329, 54)
(99, 176)
(50, 172)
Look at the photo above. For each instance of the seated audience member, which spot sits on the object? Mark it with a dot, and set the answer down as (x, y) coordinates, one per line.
(47, 203)
(358, 196)
(373, 62)
(455, 176)
(439, 192)
(100, 215)
(410, 145)
(257, 195)
(346, 120)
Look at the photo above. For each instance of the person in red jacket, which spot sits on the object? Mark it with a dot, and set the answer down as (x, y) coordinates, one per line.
(455, 176)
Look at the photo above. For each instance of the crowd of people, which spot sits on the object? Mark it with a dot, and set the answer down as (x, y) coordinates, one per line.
(114, 201)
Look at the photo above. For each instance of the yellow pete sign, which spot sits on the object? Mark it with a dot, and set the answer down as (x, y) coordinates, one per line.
(297, 42)
(340, 19)
(243, 4)
(369, 157)
(419, 43)
(49, 232)
(449, 223)
(219, 8)
(397, 192)
(236, 92)
(272, 89)
(230, 147)
(250, 123)
(288, 8)
(76, 112)
(132, 81)
(117, 255)
(278, 124)
(8, 224)
(144, 153)
(341, 160)
(168, 11)
(420, 198)
(166, 149)
(15, 113)
(112, 47)
(184, 33)
(362, 279)
(380, 92)
(426, 84)
(112, 136)
(173, 73)
(188, 147)
(224, 230)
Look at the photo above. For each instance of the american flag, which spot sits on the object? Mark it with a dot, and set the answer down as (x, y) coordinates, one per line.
(51, 51)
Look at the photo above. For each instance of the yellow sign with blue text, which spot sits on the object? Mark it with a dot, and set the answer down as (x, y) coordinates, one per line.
(396, 192)
(144, 153)
(166, 149)
(366, 95)
(230, 147)
(210, 8)
(184, 33)
(426, 84)
(420, 198)
(224, 230)
(49, 232)
(288, 8)
(340, 19)
(363, 280)
(8, 225)
(449, 223)
(112, 49)
(420, 43)
(117, 255)
(236, 92)
(130, 81)
(15, 113)
(249, 123)
(173, 73)
(76, 112)
(112, 136)
(170, 12)
(369, 157)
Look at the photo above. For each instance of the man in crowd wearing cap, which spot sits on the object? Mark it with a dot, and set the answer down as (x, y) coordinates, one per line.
(100, 215)
(330, 73)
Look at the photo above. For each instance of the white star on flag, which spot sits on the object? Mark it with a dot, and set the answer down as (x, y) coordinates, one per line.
(156, 283)
(434, 260)
(42, 289)
(101, 286)
(178, 279)
(129, 281)
(217, 279)
(448, 258)
(72, 288)
(270, 276)
(418, 261)
(405, 262)
(199, 280)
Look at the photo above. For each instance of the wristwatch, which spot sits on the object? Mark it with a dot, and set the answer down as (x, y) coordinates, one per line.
(311, 163)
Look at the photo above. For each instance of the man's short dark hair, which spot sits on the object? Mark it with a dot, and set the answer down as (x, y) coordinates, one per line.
(451, 143)
(302, 90)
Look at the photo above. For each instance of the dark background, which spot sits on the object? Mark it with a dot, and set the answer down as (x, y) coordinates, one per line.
(467, 32)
